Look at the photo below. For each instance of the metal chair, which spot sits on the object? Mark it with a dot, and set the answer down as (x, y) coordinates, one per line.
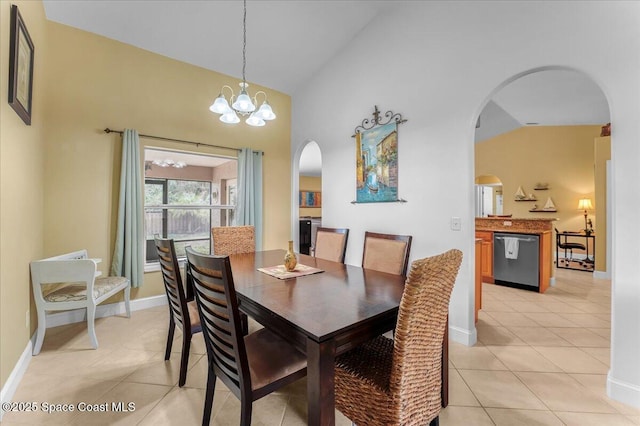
(570, 246)
(252, 366)
(398, 382)
(182, 311)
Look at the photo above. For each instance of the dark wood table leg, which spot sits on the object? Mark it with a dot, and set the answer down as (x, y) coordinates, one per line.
(320, 383)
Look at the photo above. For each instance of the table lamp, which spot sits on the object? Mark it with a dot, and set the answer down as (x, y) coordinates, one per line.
(585, 204)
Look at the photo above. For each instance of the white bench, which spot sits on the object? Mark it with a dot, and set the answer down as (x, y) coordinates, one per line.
(63, 282)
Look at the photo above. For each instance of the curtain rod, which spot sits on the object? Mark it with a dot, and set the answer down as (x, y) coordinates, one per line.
(108, 130)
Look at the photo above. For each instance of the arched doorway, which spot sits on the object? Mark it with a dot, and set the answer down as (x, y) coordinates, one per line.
(307, 179)
(539, 131)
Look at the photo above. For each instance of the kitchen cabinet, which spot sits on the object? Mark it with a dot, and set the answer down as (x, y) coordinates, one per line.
(486, 253)
(478, 276)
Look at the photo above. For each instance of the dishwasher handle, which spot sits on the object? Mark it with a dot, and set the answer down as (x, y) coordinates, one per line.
(526, 240)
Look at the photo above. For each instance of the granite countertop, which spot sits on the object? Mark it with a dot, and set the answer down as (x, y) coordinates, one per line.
(514, 224)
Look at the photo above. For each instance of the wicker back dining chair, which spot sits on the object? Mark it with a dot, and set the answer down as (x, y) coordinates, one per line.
(252, 366)
(331, 243)
(228, 240)
(397, 382)
(182, 312)
(386, 252)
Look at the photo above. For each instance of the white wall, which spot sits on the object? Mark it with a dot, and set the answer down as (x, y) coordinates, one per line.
(438, 63)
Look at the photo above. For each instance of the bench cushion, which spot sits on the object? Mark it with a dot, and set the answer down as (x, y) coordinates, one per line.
(68, 292)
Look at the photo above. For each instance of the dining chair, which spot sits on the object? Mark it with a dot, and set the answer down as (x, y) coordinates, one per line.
(386, 252)
(228, 240)
(183, 312)
(251, 366)
(398, 382)
(331, 243)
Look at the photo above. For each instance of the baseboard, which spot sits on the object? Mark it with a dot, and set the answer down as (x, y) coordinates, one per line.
(69, 317)
(602, 275)
(465, 337)
(57, 319)
(624, 392)
(10, 386)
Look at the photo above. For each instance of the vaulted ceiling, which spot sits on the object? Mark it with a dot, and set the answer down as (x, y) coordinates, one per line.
(289, 41)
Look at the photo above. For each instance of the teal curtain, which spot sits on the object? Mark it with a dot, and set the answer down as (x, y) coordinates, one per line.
(128, 258)
(249, 207)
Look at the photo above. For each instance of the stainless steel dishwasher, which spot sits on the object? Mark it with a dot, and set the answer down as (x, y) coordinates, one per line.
(522, 269)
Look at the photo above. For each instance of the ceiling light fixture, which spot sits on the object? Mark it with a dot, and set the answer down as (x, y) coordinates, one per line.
(170, 163)
(243, 104)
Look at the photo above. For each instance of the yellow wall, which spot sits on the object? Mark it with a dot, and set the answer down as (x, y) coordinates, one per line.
(562, 156)
(59, 177)
(602, 152)
(310, 183)
(126, 87)
(21, 193)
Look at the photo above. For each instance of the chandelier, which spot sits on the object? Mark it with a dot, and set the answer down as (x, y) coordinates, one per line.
(243, 104)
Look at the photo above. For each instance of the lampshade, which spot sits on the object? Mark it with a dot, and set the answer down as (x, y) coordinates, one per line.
(243, 103)
(265, 112)
(255, 121)
(230, 117)
(220, 105)
(585, 204)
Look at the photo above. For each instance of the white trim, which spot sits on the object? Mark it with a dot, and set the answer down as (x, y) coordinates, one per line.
(466, 337)
(625, 392)
(601, 275)
(552, 281)
(80, 315)
(11, 385)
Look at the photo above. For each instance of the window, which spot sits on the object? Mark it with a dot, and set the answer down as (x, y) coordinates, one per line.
(183, 198)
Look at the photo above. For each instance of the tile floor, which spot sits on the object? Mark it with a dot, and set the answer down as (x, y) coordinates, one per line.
(540, 360)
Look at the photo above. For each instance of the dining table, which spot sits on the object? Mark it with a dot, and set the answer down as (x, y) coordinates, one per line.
(323, 314)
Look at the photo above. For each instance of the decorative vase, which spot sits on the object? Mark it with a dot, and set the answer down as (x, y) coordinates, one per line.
(290, 260)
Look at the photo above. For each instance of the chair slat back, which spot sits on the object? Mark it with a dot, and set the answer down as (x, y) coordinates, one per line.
(217, 302)
(173, 282)
(422, 318)
(386, 252)
(228, 240)
(331, 243)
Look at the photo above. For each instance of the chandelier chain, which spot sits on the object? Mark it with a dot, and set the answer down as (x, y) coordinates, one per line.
(244, 43)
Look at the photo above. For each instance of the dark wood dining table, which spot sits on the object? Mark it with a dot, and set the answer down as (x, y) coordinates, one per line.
(323, 314)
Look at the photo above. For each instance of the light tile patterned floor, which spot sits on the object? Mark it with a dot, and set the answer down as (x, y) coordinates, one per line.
(540, 360)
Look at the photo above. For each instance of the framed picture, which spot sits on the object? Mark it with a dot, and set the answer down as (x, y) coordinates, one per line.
(21, 56)
(310, 199)
(377, 159)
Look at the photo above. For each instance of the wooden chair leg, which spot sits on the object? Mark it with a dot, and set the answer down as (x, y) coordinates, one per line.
(184, 360)
(42, 329)
(172, 328)
(245, 414)
(208, 398)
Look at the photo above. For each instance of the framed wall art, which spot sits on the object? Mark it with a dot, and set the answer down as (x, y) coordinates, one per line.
(377, 158)
(310, 199)
(21, 54)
